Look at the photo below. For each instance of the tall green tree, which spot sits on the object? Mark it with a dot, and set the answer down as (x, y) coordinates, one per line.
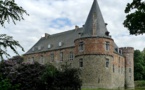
(139, 65)
(9, 11)
(135, 21)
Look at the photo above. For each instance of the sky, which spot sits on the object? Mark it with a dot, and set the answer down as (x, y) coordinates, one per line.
(54, 16)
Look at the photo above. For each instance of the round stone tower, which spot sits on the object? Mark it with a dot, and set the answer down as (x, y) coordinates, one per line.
(95, 61)
(128, 53)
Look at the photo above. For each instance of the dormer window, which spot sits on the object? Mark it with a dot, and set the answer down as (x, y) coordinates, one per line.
(60, 44)
(33, 49)
(49, 46)
(107, 33)
(39, 48)
(81, 46)
(120, 51)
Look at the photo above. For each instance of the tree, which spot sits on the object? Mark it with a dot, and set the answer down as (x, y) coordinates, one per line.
(9, 10)
(64, 79)
(135, 21)
(139, 65)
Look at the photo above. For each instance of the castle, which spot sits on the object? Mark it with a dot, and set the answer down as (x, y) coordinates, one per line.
(102, 63)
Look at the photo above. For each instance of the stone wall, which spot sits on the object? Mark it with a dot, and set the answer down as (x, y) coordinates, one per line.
(128, 53)
(47, 57)
(118, 80)
(92, 62)
(94, 72)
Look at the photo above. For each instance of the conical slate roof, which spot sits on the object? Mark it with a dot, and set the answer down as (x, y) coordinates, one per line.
(95, 25)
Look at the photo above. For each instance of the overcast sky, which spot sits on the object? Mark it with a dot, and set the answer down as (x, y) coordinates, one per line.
(54, 16)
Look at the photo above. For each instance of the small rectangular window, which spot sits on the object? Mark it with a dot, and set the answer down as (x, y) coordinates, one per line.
(107, 46)
(52, 56)
(81, 62)
(119, 69)
(71, 56)
(61, 56)
(32, 60)
(122, 69)
(129, 70)
(113, 68)
(28, 60)
(81, 46)
(107, 62)
(41, 59)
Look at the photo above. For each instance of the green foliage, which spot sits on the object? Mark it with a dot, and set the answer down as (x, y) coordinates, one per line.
(139, 65)
(40, 77)
(139, 83)
(6, 85)
(5, 82)
(28, 75)
(49, 76)
(135, 21)
(64, 79)
(69, 78)
(8, 42)
(10, 10)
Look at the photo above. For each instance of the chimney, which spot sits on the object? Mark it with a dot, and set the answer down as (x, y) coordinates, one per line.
(76, 27)
(47, 35)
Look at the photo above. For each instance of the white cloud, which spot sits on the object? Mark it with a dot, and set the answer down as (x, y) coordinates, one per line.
(43, 12)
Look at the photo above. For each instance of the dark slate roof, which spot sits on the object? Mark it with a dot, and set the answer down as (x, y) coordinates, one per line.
(100, 24)
(67, 38)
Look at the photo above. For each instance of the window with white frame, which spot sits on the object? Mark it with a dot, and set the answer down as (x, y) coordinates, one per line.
(81, 46)
(41, 59)
(71, 56)
(32, 60)
(107, 46)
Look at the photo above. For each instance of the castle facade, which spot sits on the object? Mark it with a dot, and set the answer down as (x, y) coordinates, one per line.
(102, 63)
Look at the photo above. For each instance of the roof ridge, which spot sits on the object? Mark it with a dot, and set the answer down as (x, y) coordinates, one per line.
(65, 31)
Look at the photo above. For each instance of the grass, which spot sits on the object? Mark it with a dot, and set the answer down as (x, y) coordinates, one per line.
(93, 89)
(140, 83)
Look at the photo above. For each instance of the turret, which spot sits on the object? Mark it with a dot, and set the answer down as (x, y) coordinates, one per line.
(128, 53)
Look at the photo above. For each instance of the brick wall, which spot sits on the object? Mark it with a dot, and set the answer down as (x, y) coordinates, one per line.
(94, 46)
